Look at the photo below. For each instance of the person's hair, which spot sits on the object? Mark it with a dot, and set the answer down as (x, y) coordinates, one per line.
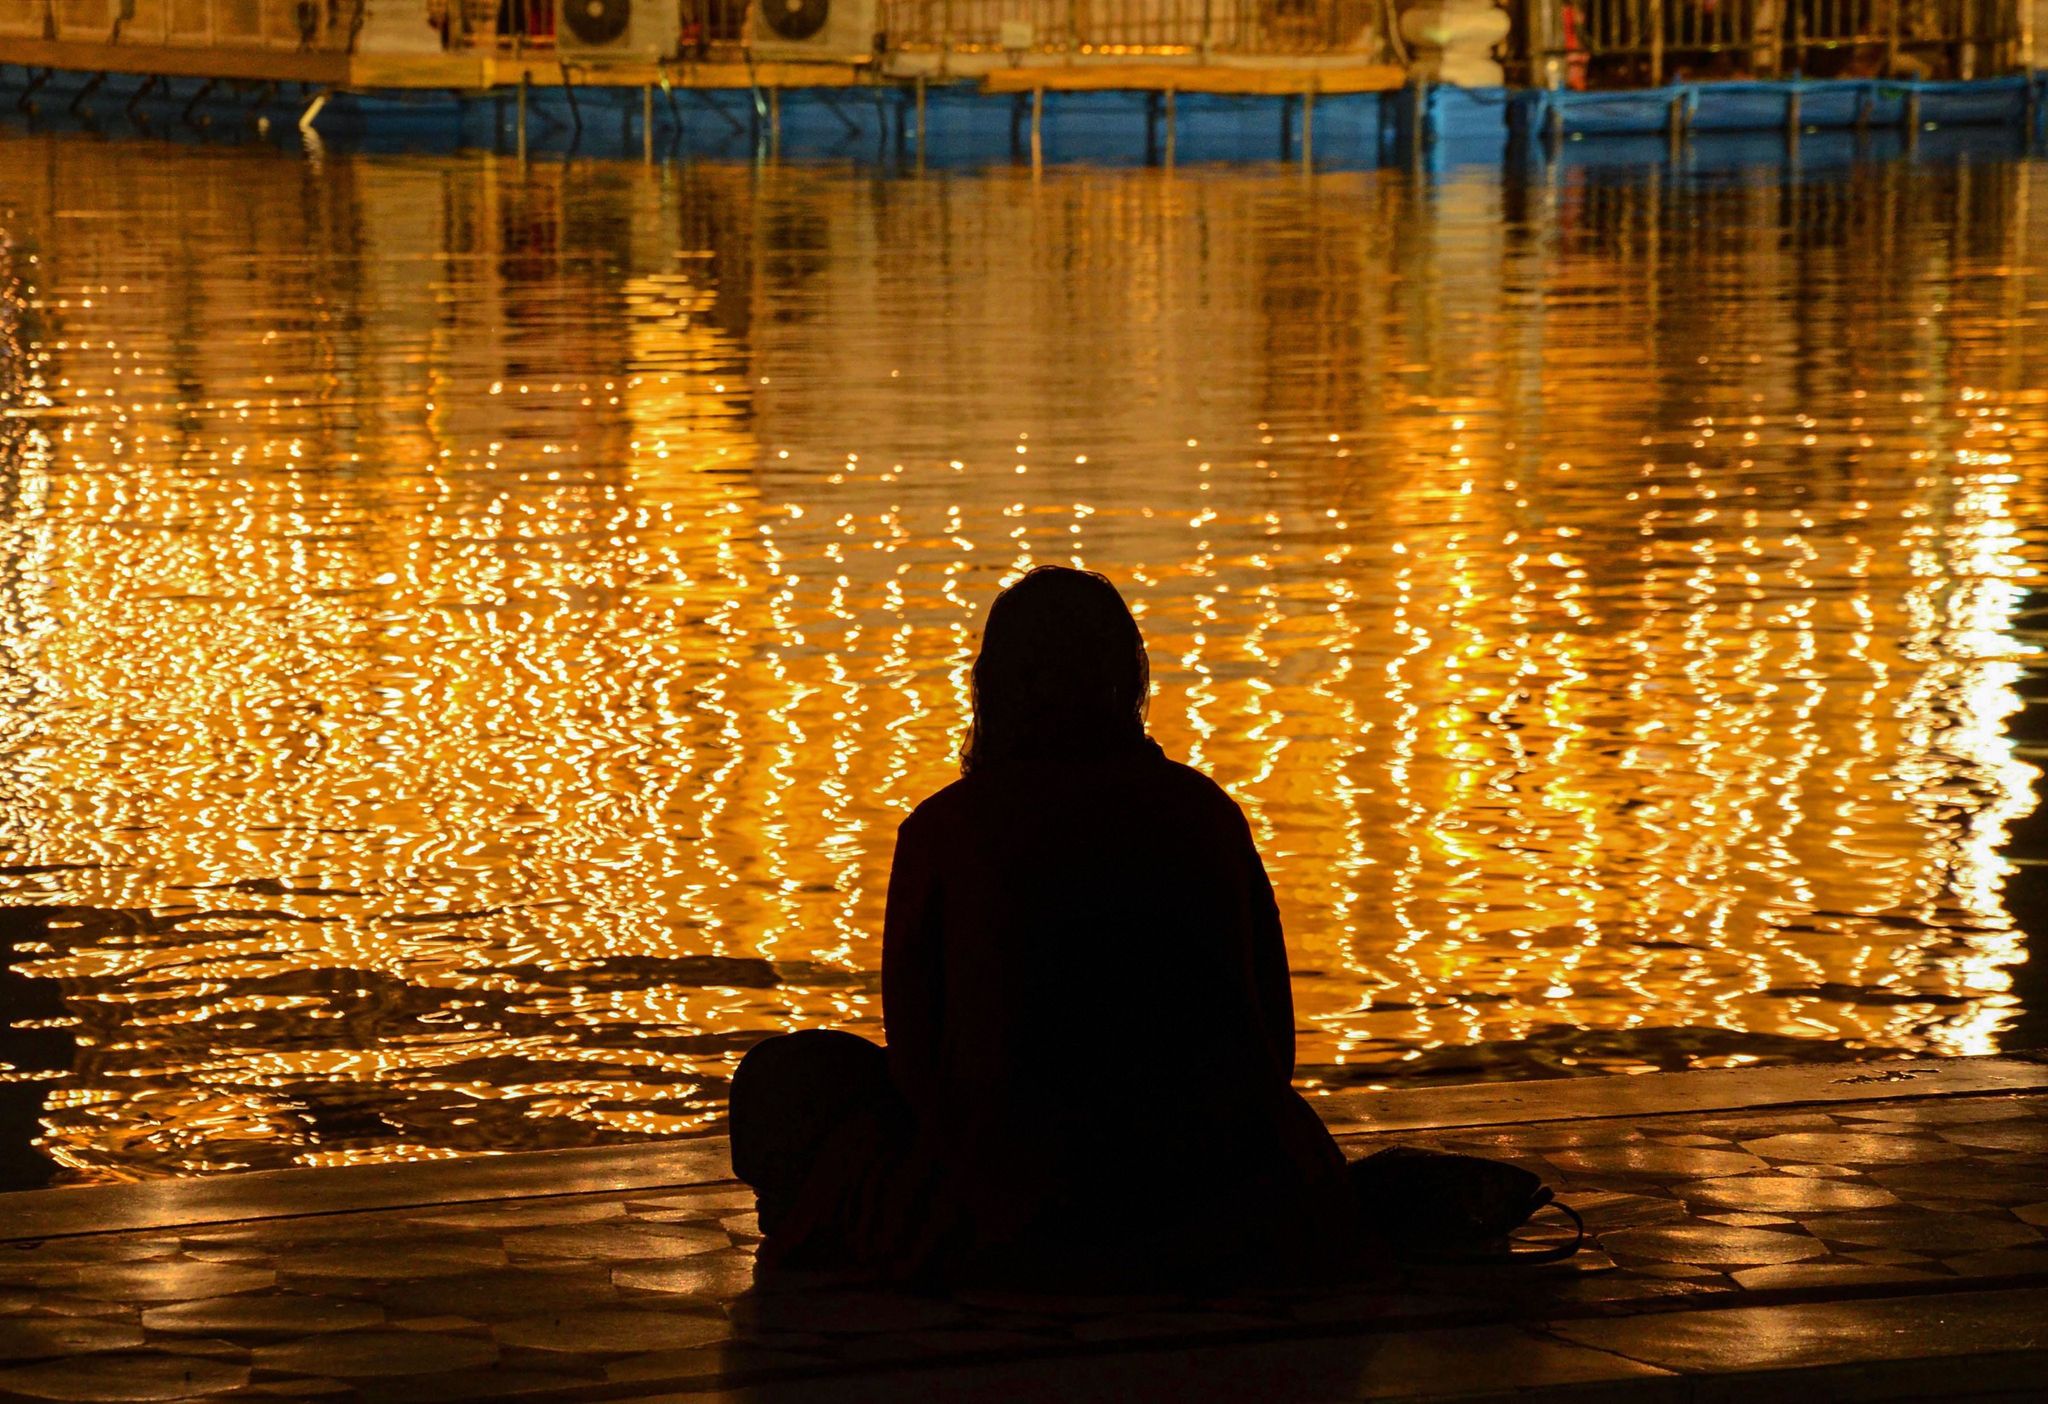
(1062, 671)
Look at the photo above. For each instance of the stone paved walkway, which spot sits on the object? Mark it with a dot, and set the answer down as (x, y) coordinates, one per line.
(1874, 1232)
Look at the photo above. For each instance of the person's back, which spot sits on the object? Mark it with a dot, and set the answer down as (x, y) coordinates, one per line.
(1090, 1026)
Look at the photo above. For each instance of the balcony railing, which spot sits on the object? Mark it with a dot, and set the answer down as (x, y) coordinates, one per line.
(302, 25)
(1624, 43)
(1138, 26)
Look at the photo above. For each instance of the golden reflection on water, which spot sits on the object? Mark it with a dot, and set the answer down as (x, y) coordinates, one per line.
(470, 632)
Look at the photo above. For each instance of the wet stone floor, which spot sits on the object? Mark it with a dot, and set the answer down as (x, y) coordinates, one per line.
(1873, 1237)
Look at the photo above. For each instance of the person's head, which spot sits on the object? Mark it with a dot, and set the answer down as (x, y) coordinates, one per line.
(1062, 671)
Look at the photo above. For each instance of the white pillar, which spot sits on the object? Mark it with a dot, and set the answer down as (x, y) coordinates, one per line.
(1453, 41)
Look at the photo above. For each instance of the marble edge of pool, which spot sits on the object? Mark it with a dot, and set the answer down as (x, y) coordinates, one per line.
(702, 1160)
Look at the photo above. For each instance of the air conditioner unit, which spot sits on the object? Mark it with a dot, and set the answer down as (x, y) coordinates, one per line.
(643, 30)
(820, 31)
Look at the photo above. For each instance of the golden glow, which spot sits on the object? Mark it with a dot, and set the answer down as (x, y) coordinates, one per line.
(476, 630)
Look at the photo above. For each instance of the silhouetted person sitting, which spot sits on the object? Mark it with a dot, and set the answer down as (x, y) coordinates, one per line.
(1090, 1025)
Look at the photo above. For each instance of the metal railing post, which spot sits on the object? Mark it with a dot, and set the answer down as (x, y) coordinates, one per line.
(1543, 42)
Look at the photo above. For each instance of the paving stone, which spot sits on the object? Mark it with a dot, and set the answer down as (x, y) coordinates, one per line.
(710, 1275)
(1758, 1194)
(1958, 1181)
(64, 1304)
(287, 1236)
(1817, 1172)
(608, 1332)
(164, 1280)
(500, 1295)
(1942, 1111)
(209, 1347)
(226, 1253)
(496, 1382)
(72, 1252)
(299, 1387)
(1671, 1270)
(713, 1201)
(2028, 1136)
(616, 1241)
(517, 1215)
(1694, 1139)
(1712, 1244)
(1746, 1220)
(1543, 1136)
(1849, 1148)
(1627, 1289)
(1891, 1257)
(268, 1315)
(37, 1338)
(394, 1262)
(681, 1216)
(124, 1377)
(1764, 1123)
(1921, 1233)
(2018, 1162)
(1470, 1360)
(708, 1363)
(843, 1313)
(1820, 1275)
(2001, 1262)
(1643, 1158)
(1788, 1337)
(446, 1325)
(372, 1354)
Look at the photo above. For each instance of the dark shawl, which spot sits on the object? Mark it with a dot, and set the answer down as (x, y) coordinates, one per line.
(1089, 1015)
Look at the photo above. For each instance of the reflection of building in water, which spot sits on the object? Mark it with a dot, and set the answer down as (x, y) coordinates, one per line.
(521, 685)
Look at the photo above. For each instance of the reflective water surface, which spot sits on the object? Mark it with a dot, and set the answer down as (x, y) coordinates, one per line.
(467, 633)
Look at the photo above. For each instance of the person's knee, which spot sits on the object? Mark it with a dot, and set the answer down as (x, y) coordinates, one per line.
(808, 1056)
(790, 1091)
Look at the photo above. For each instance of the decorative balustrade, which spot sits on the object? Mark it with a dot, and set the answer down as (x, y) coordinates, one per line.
(1626, 43)
(302, 25)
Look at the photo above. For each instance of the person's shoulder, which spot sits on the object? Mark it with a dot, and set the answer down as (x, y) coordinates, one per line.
(935, 810)
(1195, 789)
